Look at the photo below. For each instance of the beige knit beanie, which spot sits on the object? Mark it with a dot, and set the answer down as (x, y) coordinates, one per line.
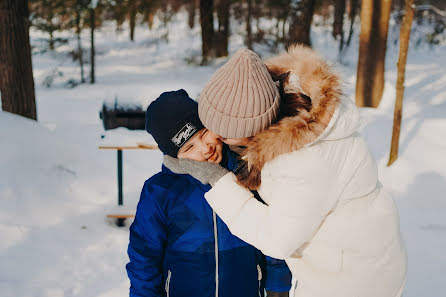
(240, 99)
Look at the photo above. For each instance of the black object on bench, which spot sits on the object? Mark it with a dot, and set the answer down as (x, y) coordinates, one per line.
(128, 116)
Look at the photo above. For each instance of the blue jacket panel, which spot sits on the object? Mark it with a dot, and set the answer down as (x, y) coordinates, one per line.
(278, 275)
(179, 247)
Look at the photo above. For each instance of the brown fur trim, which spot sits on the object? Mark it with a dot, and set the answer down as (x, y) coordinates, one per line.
(302, 119)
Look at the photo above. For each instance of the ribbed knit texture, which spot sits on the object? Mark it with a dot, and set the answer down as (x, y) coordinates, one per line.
(240, 99)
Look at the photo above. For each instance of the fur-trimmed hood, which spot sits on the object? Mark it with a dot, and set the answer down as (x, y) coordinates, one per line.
(329, 116)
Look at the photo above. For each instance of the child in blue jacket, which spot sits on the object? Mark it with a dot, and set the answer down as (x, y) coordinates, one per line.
(178, 246)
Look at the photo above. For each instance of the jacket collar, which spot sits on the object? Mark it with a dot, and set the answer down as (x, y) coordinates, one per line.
(314, 77)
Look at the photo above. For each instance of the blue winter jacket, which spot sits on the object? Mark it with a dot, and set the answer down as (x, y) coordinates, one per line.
(180, 248)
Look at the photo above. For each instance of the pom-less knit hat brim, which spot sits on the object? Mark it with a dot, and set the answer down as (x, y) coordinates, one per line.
(240, 99)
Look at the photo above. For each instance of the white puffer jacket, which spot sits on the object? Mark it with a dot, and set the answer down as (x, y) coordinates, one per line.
(326, 215)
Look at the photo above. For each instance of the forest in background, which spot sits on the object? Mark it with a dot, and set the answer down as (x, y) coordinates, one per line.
(289, 20)
(275, 24)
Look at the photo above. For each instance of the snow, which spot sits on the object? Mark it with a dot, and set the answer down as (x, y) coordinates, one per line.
(56, 186)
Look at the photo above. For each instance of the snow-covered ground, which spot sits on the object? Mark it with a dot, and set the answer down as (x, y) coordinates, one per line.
(56, 186)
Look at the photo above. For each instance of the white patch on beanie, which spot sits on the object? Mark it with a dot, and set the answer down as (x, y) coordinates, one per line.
(184, 134)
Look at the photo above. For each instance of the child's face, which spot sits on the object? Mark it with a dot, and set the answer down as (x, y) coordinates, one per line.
(204, 146)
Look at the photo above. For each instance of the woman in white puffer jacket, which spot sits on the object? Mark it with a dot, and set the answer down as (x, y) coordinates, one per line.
(326, 213)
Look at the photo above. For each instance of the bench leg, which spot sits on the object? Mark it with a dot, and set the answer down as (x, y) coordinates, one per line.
(120, 198)
(119, 221)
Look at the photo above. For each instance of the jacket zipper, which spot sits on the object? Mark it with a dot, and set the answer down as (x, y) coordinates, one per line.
(259, 272)
(214, 215)
(167, 286)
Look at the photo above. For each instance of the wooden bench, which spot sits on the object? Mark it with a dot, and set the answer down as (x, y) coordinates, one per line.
(120, 218)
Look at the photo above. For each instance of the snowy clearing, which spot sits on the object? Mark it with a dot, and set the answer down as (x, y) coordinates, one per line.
(56, 186)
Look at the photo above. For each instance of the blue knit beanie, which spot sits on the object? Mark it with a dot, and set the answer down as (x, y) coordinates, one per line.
(172, 119)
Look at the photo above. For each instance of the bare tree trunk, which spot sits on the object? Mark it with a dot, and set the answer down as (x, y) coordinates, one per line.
(51, 40)
(363, 89)
(302, 17)
(284, 29)
(79, 44)
(338, 23)
(148, 7)
(207, 28)
(191, 9)
(382, 28)
(352, 15)
(16, 74)
(132, 18)
(92, 50)
(404, 47)
(222, 35)
(248, 25)
(150, 18)
(375, 16)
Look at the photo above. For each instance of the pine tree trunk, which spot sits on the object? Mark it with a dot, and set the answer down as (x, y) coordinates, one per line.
(352, 16)
(248, 25)
(375, 16)
(150, 18)
(338, 23)
(79, 44)
(132, 18)
(16, 74)
(92, 49)
(51, 40)
(284, 28)
(381, 28)
(191, 9)
(302, 17)
(404, 47)
(364, 73)
(207, 28)
(222, 35)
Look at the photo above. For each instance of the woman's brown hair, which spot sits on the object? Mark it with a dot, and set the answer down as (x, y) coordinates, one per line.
(291, 104)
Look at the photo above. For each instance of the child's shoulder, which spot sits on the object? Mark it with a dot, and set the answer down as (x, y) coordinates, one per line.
(165, 182)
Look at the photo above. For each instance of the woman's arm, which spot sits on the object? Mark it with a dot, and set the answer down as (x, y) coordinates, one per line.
(301, 191)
